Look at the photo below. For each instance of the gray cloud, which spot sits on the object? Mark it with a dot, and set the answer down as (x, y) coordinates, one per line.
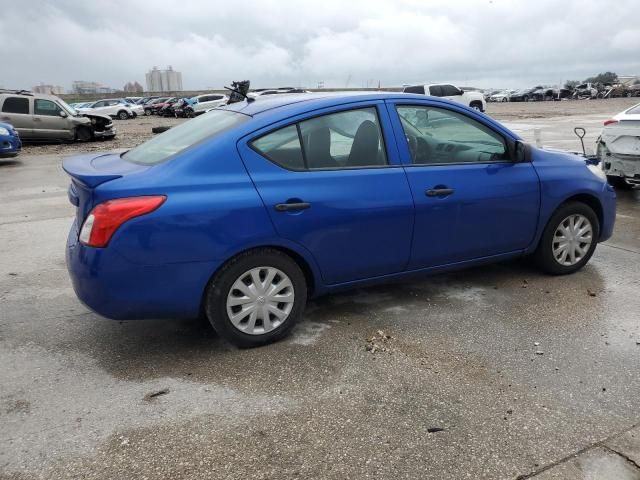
(276, 42)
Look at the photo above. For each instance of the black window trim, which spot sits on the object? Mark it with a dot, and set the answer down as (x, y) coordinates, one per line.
(509, 143)
(306, 169)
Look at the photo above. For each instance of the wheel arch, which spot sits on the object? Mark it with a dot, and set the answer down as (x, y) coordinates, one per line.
(305, 263)
(590, 200)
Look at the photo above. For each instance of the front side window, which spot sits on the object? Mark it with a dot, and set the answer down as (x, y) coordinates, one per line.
(439, 136)
(16, 105)
(449, 91)
(46, 107)
(350, 139)
(183, 136)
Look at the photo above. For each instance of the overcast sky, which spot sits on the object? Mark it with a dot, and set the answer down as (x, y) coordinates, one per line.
(482, 43)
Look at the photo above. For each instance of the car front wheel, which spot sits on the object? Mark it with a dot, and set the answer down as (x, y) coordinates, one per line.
(256, 298)
(568, 240)
(122, 115)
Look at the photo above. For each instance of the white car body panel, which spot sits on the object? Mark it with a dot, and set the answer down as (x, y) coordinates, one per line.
(619, 146)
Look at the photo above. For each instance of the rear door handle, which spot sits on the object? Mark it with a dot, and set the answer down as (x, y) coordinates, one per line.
(439, 192)
(287, 207)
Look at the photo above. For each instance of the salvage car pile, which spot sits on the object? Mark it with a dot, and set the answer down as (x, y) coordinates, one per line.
(583, 91)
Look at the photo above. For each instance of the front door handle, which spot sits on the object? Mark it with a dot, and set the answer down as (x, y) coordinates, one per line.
(439, 192)
(287, 207)
(6, 119)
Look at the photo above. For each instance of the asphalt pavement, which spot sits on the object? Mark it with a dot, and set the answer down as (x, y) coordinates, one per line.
(497, 372)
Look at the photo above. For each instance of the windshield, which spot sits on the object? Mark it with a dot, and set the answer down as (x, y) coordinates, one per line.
(68, 107)
(179, 138)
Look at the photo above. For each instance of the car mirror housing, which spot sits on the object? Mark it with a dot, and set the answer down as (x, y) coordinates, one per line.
(522, 152)
(63, 114)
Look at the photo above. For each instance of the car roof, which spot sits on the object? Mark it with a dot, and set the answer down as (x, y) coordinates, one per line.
(275, 108)
(311, 101)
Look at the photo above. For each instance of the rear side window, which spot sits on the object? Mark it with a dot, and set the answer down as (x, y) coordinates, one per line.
(185, 135)
(435, 90)
(282, 147)
(45, 107)
(350, 139)
(419, 89)
(16, 105)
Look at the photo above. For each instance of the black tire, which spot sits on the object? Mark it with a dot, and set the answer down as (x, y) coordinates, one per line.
(159, 129)
(215, 304)
(84, 134)
(618, 183)
(543, 255)
(476, 106)
(123, 115)
(525, 98)
(147, 112)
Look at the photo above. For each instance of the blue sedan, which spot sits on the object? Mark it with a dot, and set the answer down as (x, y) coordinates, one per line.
(245, 212)
(10, 144)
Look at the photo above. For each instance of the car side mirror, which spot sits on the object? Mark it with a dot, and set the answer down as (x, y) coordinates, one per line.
(62, 113)
(460, 91)
(521, 153)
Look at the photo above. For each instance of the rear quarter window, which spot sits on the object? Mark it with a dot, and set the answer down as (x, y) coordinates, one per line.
(16, 105)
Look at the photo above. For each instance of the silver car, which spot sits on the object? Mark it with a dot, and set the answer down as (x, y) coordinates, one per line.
(48, 118)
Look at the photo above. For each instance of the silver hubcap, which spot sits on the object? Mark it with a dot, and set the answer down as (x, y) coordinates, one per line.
(260, 300)
(572, 239)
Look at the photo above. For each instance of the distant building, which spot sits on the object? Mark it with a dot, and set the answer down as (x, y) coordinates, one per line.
(132, 87)
(167, 80)
(81, 86)
(48, 89)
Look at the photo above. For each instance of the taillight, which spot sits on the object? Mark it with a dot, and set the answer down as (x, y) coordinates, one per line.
(610, 121)
(106, 218)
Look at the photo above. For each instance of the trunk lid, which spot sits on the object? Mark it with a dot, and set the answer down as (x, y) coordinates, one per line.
(88, 172)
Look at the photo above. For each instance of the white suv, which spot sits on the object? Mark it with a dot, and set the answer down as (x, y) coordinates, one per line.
(202, 103)
(470, 98)
(112, 106)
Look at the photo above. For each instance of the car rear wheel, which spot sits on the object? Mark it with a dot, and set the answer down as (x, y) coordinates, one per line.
(476, 106)
(122, 115)
(256, 298)
(569, 239)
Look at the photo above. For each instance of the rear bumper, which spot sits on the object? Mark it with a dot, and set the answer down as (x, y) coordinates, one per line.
(118, 289)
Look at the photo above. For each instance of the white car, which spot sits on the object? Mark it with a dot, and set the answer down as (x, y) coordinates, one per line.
(113, 107)
(202, 103)
(469, 98)
(502, 96)
(618, 148)
(275, 91)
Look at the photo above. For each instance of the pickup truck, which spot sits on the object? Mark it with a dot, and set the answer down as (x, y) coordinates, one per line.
(469, 98)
